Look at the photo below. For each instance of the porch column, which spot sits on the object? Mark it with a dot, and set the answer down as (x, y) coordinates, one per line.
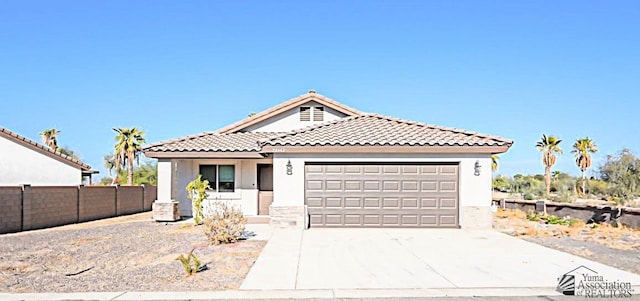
(165, 170)
(165, 208)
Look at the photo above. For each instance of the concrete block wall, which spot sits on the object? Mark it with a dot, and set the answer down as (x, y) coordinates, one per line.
(48, 206)
(629, 217)
(10, 209)
(130, 199)
(96, 202)
(150, 195)
(35, 207)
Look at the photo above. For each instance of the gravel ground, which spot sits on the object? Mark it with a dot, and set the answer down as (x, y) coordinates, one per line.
(616, 247)
(628, 260)
(130, 253)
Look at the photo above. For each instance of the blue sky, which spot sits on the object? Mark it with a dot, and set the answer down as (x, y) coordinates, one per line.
(516, 69)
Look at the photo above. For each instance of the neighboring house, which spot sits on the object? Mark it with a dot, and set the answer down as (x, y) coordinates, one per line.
(313, 161)
(24, 161)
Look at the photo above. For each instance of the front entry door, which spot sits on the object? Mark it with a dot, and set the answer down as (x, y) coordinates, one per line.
(265, 188)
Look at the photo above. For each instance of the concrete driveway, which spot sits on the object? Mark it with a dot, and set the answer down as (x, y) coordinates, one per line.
(412, 259)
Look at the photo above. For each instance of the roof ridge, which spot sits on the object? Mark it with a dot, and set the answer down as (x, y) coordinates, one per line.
(19, 137)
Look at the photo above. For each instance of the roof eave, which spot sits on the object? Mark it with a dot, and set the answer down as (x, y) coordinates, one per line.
(32, 145)
(203, 155)
(386, 149)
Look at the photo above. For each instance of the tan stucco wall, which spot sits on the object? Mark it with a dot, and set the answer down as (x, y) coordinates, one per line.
(474, 191)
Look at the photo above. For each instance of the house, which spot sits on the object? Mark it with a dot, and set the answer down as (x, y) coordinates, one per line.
(24, 161)
(312, 161)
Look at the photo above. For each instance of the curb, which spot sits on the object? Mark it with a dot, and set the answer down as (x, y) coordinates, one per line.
(290, 294)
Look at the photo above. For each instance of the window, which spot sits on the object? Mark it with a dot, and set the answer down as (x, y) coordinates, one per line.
(318, 113)
(221, 178)
(305, 113)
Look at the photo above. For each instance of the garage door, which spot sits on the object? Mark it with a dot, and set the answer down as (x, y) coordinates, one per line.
(382, 195)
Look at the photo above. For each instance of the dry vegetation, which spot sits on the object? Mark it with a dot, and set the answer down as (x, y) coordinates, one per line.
(615, 246)
(123, 254)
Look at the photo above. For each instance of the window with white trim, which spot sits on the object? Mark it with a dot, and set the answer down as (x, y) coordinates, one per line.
(221, 178)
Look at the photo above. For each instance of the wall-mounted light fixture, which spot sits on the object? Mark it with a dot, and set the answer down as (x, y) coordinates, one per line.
(289, 168)
(477, 168)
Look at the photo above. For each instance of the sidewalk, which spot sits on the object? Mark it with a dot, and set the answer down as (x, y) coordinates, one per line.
(293, 294)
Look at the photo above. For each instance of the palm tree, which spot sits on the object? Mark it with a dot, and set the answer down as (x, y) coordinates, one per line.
(549, 146)
(110, 164)
(49, 137)
(128, 147)
(494, 162)
(582, 150)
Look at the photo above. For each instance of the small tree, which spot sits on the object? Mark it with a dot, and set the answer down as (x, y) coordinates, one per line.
(197, 192)
(622, 173)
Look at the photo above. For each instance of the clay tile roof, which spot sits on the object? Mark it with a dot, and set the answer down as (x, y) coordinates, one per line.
(212, 142)
(379, 130)
(42, 149)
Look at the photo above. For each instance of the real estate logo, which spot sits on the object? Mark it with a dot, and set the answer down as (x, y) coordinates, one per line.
(585, 282)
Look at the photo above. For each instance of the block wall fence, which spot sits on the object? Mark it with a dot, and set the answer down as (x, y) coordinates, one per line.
(34, 207)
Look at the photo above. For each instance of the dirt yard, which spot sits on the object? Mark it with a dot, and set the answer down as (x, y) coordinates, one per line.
(615, 246)
(131, 253)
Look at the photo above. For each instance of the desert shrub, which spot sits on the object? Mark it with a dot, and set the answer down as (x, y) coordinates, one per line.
(615, 200)
(565, 221)
(561, 181)
(190, 263)
(223, 223)
(197, 192)
(597, 187)
(563, 197)
(534, 216)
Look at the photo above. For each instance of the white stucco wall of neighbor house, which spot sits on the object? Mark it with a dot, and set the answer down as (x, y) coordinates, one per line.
(177, 174)
(22, 165)
(474, 191)
(290, 120)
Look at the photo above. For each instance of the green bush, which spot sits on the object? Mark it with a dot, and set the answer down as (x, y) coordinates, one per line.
(223, 223)
(501, 183)
(565, 221)
(534, 216)
(197, 192)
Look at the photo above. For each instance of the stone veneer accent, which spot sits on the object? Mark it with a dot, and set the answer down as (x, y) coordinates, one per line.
(288, 216)
(476, 217)
(166, 211)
